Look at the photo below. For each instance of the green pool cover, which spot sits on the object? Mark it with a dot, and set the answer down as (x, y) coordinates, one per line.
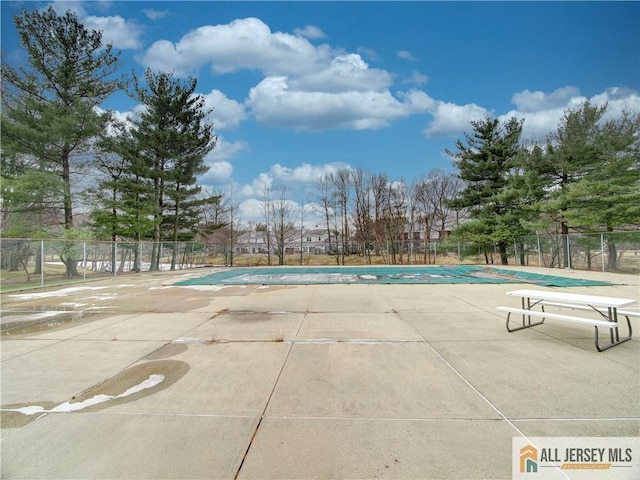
(382, 274)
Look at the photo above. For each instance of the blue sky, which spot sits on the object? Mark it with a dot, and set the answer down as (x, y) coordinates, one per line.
(300, 89)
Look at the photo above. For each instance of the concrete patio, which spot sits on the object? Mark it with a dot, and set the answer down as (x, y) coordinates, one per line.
(312, 381)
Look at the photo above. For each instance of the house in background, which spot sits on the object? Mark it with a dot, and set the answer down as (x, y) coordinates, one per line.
(312, 241)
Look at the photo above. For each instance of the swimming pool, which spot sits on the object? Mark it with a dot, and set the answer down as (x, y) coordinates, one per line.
(387, 274)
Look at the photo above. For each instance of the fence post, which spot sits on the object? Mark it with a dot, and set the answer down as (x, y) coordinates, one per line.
(42, 263)
(539, 251)
(515, 252)
(115, 259)
(568, 253)
(84, 261)
(602, 250)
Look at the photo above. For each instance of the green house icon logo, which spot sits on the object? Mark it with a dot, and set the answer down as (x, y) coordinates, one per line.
(528, 459)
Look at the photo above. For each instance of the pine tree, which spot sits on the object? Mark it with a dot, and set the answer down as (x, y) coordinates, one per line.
(172, 138)
(608, 195)
(123, 203)
(485, 163)
(48, 106)
(571, 153)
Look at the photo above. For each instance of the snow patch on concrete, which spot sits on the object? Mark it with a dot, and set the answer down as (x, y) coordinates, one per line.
(211, 288)
(67, 407)
(63, 292)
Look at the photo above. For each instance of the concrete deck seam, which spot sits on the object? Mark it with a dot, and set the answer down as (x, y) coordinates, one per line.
(275, 384)
(461, 376)
(169, 414)
(55, 342)
(600, 419)
(363, 419)
(100, 328)
(478, 392)
(382, 419)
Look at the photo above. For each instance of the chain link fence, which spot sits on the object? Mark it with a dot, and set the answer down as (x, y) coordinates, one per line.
(607, 252)
(27, 262)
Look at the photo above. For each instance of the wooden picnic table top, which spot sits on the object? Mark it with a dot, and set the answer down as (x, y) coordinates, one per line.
(579, 299)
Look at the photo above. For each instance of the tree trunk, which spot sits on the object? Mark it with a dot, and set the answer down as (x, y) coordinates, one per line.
(114, 253)
(564, 231)
(502, 247)
(137, 261)
(38, 267)
(174, 246)
(612, 260)
(155, 253)
(71, 265)
(66, 179)
(69, 262)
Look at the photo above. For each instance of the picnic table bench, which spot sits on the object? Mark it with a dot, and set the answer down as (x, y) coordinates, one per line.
(608, 309)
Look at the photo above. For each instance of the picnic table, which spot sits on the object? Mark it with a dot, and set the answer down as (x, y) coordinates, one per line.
(607, 308)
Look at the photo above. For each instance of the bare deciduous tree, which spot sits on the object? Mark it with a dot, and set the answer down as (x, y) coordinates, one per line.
(342, 181)
(326, 203)
(283, 226)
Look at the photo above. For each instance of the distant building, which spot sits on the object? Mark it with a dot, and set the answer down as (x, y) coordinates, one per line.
(254, 242)
(315, 241)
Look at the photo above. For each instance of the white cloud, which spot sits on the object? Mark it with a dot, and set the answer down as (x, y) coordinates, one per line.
(61, 7)
(527, 101)
(123, 118)
(303, 174)
(251, 210)
(257, 187)
(450, 119)
(102, 5)
(225, 150)
(220, 173)
(542, 112)
(416, 78)
(618, 99)
(274, 103)
(345, 73)
(295, 180)
(309, 87)
(310, 31)
(305, 87)
(405, 55)
(116, 30)
(227, 113)
(153, 14)
(243, 43)
(121, 33)
(367, 52)
(418, 102)
(537, 125)
(298, 182)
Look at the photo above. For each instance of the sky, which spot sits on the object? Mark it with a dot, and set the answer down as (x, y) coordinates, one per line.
(302, 89)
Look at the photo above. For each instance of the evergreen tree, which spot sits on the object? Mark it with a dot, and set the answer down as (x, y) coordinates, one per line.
(608, 195)
(48, 106)
(485, 162)
(588, 171)
(172, 138)
(123, 203)
(571, 153)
